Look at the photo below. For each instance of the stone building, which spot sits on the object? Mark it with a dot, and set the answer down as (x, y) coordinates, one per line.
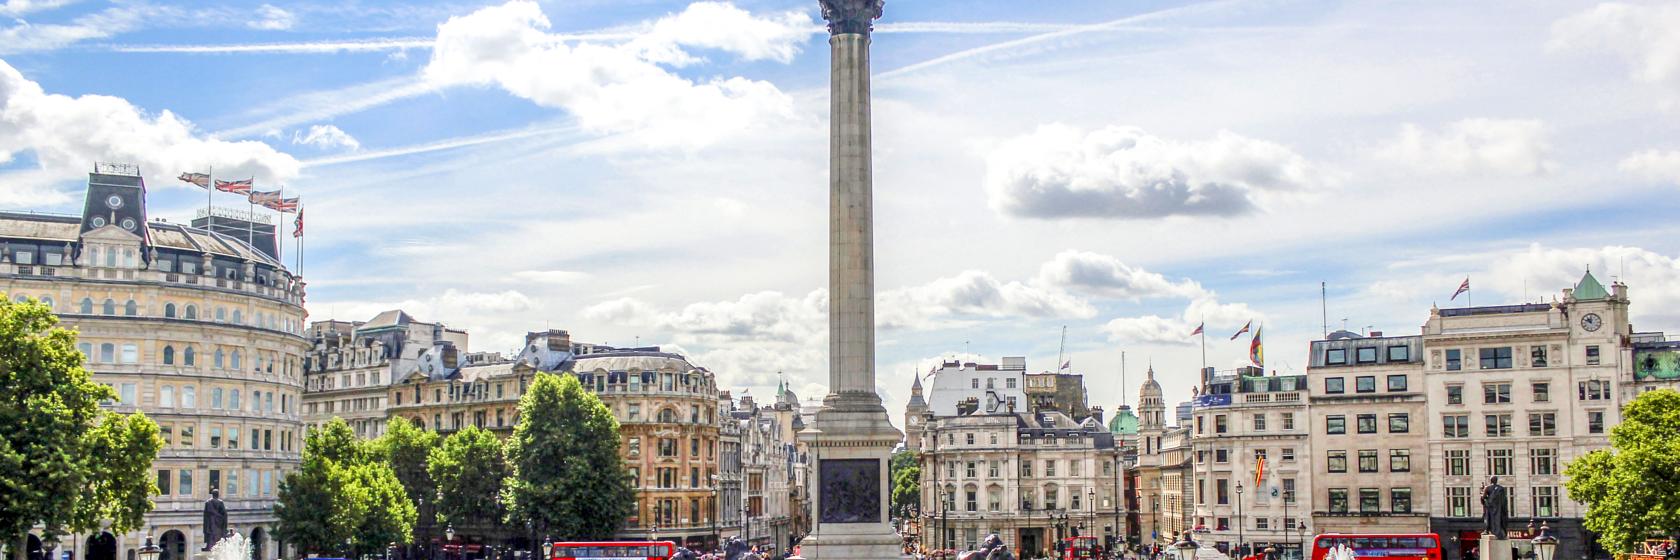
(771, 465)
(1163, 472)
(1241, 419)
(349, 371)
(202, 332)
(1063, 392)
(990, 388)
(1369, 434)
(914, 413)
(1517, 392)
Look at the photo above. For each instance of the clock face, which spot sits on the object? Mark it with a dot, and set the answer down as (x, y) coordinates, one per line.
(114, 201)
(1591, 322)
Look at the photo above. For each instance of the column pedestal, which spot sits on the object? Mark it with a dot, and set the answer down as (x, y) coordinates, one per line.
(1493, 549)
(850, 485)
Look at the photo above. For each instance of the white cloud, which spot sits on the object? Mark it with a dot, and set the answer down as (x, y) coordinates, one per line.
(272, 18)
(618, 88)
(20, 7)
(1642, 34)
(974, 294)
(549, 276)
(1219, 318)
(1106, 276)
(1654, 165)
(23, 36)
(1148, 329)
(1498, 146)
(326, 136)
(722, 26)
(494, 320)
(66, 134)
(1125, 173)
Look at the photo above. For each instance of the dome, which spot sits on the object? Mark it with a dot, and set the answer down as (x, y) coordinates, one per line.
(1150, 387)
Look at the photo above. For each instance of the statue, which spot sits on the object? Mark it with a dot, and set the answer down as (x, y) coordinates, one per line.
(215, 519)
(1494, 509)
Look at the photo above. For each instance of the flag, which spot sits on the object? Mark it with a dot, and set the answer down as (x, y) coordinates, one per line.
(200, 179)
(1260, 472)
(297, 224)
(263, 197)
(1465, 287)
(1250, 323)
(284, 205)
(1198, 329)
(237, 187)
(1256, 353)
(1067, 364)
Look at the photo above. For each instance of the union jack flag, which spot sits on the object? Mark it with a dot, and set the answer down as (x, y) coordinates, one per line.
(263, 197)
(297, 224)
(200, 179)
(241, 186)
(284, 205)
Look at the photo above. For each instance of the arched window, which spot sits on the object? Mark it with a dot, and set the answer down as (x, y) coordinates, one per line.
(169, 310)
(168, 355)
(236, 319)
(107, 353)
(187, 356)
(189, 396)
(166, 396)
(236, 359)
(667, 415)
(111, 257)
(220, 359)
(92, 256)
(192, 311)
(233, 400)
(221, 314)
(48, 300)
(110, 307)
(87, 306)
(131, 309)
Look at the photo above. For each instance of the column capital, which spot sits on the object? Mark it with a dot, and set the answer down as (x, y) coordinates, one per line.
(851, 16)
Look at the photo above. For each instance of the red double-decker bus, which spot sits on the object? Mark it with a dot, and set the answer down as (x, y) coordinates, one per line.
(1397, 546)
(648, 550)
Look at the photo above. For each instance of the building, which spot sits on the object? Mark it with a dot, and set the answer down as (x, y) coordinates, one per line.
(1064, 392)
(731, 472)
(773, 468)
(914, 413)
(256, 228)
(198, 330)
(1244, 419)
(1516, 392)
(1369, 434)
(985, 387)
(349, 371)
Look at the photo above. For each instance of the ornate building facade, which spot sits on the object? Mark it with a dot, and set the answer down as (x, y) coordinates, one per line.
(1244, 420)
(349, 371)
(200, 331)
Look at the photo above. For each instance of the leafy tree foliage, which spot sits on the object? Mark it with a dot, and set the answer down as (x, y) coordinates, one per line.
(1632, 488)
(65, 464)
(408, 448)
(906, 468)
(567, 478)
(469, 469)
(342, 492)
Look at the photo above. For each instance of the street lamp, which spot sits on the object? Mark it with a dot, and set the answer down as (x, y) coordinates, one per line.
(1545, 545)
(717, 501)
(1091, 501)
(548, 549)
(449, 537)
(1239, 519)
(150, 550)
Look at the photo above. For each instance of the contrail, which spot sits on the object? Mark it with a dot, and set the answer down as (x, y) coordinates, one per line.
(441, 145)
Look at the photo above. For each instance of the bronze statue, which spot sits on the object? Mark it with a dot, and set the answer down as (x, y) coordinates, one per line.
(1494, 509)
(215, 519)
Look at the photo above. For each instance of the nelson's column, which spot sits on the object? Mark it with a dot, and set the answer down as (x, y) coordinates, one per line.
(851, 439)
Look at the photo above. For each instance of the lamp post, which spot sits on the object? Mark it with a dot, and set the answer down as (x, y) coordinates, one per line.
(1545, 545)
(717, 499)
(449, 536)
(1239, 519)
(547, 548)
(150, 550)
(1091, 500)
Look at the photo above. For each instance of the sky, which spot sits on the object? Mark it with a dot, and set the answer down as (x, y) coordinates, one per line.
(648, 172)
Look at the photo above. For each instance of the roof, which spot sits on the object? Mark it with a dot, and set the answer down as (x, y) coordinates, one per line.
(67, 229)
(1497, 309)
(628, 361)
(1589, 288)
(392, 318)
(1124, 422)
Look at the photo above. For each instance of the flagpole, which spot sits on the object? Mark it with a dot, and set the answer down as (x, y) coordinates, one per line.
(1469, 300)
(1204, 347)
(279, 229)
(209, 213)
(251, 217)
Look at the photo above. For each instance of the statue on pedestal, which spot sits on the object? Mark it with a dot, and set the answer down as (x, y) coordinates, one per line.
(215, 519)
(1494, 509)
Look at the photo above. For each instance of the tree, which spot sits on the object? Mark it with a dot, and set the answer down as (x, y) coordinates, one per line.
(1632, 488)
(407, 448)
(342, 492)
(906, 468)
(469, 468)
(65, 464)
(567, 478)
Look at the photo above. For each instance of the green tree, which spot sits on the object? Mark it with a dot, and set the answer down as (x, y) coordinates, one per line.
(469, 468)
(65, 464)
(906, 472)
(390, 514)
(408, 448)
(342, 492)
(1632, 488)
(567, 478)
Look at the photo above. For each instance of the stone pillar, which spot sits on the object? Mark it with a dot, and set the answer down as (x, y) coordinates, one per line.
(850, 438)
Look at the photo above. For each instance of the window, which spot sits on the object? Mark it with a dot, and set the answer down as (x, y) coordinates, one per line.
(1026, 469)
(1337, 462)
(1261, 523)
(188, 356)
(233, 400)
(1455, 394)
(1260, 422)
(1333, 385)
(1219, 426)
(187, 436)
(130, 354)
(1542, 424)
(1338, 500)
(1495, 358)
(1537, 356)
(1367, 355)
(1498, 425)
(1455, 426)
(1399, 423)
(1542, 391)
(1496, 393)
(1367, 460)
(1397, 383)
(1370, 500)
(185, 485)
(168, 355)
(1335, 356)
(1009, 383)
(87, 306)
(1499, 462)
(110, 307)
(163, 481)
(1365, 384)
(992, 469)
(169, 310)
(1595, 421)
(1399, 353)
(166, 396)
(107, 353)
(1399, 460)
(1543, 461)
(1545, 501)
(1221, 491)
(1049, 468)
(1400, 500)
(969, 471)
(1287, 455)
(1335, 424)
(1592, 355)
(1221, 455)
(128, 393)
(189, 397)
(1593, 390)
(1289, 490)
(216, 398)
(131, 309)
(667, 447)
(972, 502)
(974, 384)
(191, 313)
(1458, 501)
(971, 439)
(1367, 423)
(1288, 421)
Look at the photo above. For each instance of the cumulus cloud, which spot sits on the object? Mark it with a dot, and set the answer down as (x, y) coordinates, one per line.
(1654, 165)
(623, 88)
(974, 294)
(1498, 146)
(21, 7)
(1218, 317)
(1118, 172)
(65, 135)
(759, 316)
(494, 319)
(326, 136)
(549, 276)
(1641, 34)
(24, 36)
(271, 18)
(1104, 275)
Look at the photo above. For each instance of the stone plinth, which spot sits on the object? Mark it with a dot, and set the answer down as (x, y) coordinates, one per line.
(850, 486)
(1493, 549)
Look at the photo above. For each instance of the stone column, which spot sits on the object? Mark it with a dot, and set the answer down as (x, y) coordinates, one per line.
(850, 438)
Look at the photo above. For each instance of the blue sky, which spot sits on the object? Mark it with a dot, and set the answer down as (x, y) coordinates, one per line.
(655, 172)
